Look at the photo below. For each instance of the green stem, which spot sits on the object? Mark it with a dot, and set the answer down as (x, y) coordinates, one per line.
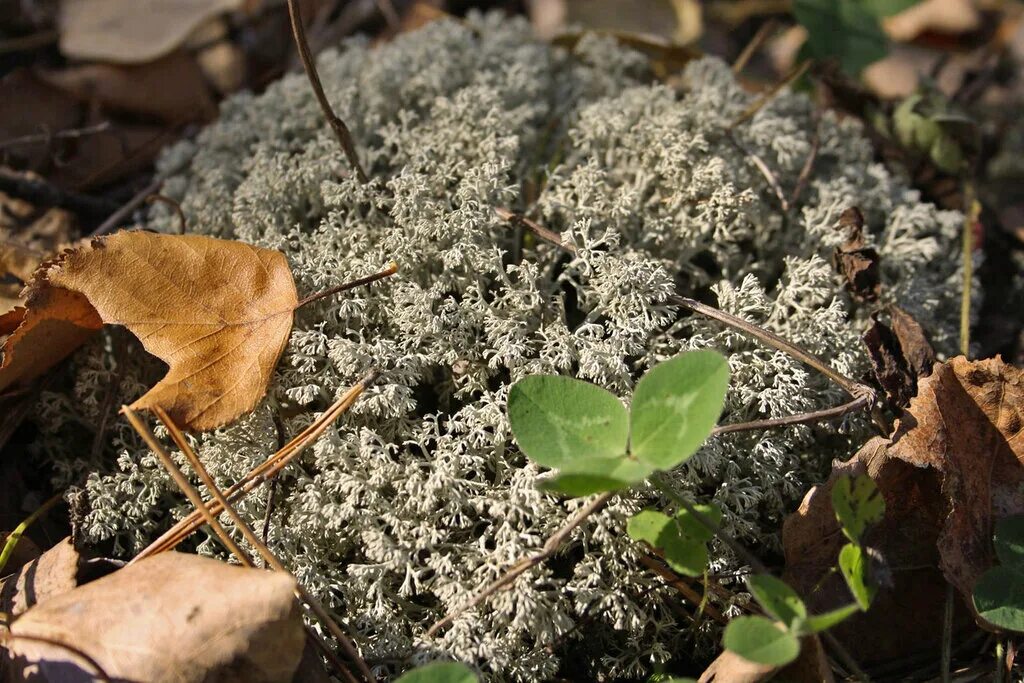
(15, 536)
(1000, 656)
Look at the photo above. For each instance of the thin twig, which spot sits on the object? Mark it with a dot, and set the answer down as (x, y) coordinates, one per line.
(773, 182)
(250, 536)
(853, 388)
(340, 129)
(764, 99)
(767, 28)
(805, 171)
(115, 218)
(269, 510)
(263, 472)
(673, 580)
(855, 404)
(33, 41)
(48, 137)
(44, 193)
(197, 502)
(550, 547)
(972, 211)
(175, 207)
(387, 272)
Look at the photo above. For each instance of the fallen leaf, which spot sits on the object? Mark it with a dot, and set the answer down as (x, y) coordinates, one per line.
(219, 313)
(900, 355)
(952, 466)
(132, 31)
(171, 617)
(59, 570)
(171, 89)
(27, 237)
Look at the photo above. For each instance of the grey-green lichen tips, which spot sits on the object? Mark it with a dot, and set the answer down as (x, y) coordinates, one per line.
(419, 496)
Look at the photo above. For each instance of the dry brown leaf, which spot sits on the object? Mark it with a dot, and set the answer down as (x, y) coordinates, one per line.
(858, 264)
(53, 573)
(27, 237)
(951, 468)
(132, 31)
(37, 108)
(173, 617)
(217, 312)
(899, 355)
(938, 16)
(171, 89)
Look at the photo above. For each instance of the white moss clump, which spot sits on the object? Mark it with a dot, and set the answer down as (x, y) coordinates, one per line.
(419, 496)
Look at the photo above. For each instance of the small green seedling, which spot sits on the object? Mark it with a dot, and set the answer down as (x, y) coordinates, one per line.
(682, 539)
(999, 593)
(858, 504)
(586, 433)
(776, 641)
(440, 672)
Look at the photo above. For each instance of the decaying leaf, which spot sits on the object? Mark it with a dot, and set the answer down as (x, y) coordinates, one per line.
(217, 312)
(900, 355)
(858, 264)
(952, 466)
(132, 31)
(59, 570)
(27, 237)
(173, 617)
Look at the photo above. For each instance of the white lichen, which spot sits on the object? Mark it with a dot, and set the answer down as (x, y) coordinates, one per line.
(418, 496)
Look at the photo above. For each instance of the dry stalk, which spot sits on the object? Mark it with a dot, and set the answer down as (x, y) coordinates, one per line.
(341, 131)
(197, 501)
(262, 473)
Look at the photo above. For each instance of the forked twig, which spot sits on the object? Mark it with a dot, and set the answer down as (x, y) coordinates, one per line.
(550, 547)
(263, 472)
(767, 28)
(340, 129)
(387, 272)
(764, 99)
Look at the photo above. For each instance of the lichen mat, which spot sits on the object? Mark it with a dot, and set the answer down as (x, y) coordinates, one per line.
(419, 496)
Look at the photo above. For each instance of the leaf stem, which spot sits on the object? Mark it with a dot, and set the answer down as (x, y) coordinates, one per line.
(15, 536)
(947, 635)
(341, 131)
(972, 210)
(387, 272)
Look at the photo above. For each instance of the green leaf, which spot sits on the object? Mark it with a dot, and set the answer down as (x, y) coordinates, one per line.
(596, 475)
(1009, 540)
(440, 672)
(683, 553)
(777, 598)
(560, 421)
(853, 564)
(761, 640)
(822, 622)
(843, 29)
(857, 503)
(689, 526)
(675, 406)
(999, 597)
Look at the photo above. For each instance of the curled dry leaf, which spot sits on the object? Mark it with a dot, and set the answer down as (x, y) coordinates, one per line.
(856, 263)
(217, 312)
(27, 237)
(132, 31)
(60, 569)
(900, 355)
(173, 617)
(951, 468)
